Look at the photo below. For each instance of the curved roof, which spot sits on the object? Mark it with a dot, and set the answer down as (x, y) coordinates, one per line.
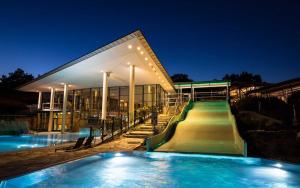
(115, 57)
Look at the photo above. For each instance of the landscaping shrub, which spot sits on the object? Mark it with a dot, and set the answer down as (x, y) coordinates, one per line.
(294, 99)
(271, 106)
(13, 127)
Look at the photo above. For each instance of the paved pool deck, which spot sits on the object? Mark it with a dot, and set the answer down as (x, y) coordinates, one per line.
(16, 163)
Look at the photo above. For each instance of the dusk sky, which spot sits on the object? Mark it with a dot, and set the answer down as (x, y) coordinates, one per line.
(204, 40)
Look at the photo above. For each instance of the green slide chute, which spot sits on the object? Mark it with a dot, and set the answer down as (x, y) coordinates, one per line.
(202, 127)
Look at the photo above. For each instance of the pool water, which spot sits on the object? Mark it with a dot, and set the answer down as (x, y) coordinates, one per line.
(139, 169)
(12, 143)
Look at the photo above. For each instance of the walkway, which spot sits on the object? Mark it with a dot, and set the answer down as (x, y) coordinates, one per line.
(20, 162)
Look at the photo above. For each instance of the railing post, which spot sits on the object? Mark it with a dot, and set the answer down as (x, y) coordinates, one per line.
(102, 127)
(121, 124)
(112, 127)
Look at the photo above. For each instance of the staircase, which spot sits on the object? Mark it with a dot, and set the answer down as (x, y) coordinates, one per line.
(146, 130)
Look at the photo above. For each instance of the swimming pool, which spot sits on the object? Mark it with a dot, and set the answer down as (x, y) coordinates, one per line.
(139, 169)
(12, 143)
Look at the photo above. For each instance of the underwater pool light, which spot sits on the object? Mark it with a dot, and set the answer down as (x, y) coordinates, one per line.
(118, 154)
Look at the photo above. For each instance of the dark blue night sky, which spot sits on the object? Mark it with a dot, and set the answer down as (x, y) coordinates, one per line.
(205, 39)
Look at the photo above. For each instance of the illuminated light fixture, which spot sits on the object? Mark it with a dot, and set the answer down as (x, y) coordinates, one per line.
(49, 87)
(156, 73)
(129, 46)
(153, 68)
(62, 83)
(142, 52)
(163, 81)
(146, 58)
(278, 165)
(149, 64)
(138, 48)
(101, 71)
(128, 63)
(118, 154)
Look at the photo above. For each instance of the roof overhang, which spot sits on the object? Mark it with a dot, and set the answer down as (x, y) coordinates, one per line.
(115, 58)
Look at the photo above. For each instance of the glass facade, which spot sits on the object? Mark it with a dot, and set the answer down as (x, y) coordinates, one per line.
(85, 105)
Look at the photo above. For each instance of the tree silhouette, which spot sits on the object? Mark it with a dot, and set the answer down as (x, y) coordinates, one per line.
(243, 77)
(181, 78)
(15, 79)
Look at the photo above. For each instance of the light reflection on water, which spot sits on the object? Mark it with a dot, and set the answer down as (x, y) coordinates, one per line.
(12, 143)
(140, 169)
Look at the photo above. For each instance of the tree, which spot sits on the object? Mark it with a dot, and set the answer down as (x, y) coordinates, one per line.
(181, 78)
(243, 77)
(15, 79)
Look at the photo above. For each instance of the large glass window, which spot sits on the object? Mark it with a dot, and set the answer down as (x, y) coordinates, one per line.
(85, 103)
(95, 100)
(124, 98)
(138, 97)
(149, 95)
(113, 105)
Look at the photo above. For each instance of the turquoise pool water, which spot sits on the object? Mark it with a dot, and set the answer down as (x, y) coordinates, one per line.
(12, 143)
(140, 169)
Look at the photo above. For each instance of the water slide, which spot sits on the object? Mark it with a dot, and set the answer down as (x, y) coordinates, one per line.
(207, 127)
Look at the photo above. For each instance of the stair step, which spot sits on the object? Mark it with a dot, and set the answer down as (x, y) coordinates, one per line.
(135, 142)
(141, 132)
(144, 129)
(136, 136)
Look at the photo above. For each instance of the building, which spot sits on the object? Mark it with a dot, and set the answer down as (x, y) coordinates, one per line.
(117, 80)
(203, 90)
(281, 90)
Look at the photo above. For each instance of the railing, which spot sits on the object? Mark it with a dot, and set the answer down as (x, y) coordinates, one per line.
(116, 125)
(216, 95)
(56, 106)
(155, 141)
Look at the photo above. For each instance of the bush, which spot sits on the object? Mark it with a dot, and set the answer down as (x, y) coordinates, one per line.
(271, 106)
(294, 100)
(13, 127)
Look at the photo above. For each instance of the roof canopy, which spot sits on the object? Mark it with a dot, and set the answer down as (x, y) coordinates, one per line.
(116, 57)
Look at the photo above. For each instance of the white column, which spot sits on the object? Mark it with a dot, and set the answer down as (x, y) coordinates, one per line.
(104, 98)
(39, 101)
(193, 93)
(64, 110)
(51, 109)
(131, 94)
(227, 91)
(104, 95)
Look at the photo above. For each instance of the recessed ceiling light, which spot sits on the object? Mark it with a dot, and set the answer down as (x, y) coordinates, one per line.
(129, 46)
(62, 83)
(142, 52)
(138, 48)
(153, 68)
(128, 63)
(146, 58)
(149, 64)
